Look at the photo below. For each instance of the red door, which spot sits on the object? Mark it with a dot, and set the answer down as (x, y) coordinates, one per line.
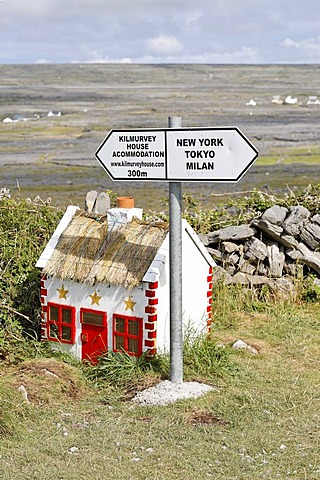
(94, 335)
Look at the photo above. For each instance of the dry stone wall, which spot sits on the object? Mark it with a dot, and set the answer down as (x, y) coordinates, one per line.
(273, 249)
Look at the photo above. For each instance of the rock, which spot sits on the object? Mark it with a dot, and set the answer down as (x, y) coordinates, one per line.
(238, 232)
(284, 286)
(241, 345)
(255, 250)
(229, 247)
(90, 201)
(262, 269)
(316, 219)
(245, 279)
(246, 267)
(275, 215)
(233, 258)
(204, 239)
(231, 269)
(216, 254)
(22, 389)
(288, 241)
(102, 204)
(276, 259)
(310, 234)
(292, 268)
(312, 259)
(296, 219)
(269, 229)
(305, 256)
(233, 211)
(219, 273)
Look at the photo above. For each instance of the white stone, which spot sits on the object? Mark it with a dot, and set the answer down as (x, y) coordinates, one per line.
(241, 345)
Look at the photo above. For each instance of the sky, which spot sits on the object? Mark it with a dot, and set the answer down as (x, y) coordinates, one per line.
(159, 31)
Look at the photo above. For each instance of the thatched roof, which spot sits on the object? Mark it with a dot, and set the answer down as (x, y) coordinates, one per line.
(86, 252)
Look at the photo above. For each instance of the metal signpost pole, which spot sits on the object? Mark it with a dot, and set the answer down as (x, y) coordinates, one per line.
(182, 154)
(175, 234)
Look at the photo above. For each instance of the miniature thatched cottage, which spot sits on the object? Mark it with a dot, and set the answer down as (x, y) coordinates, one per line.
(105, 284)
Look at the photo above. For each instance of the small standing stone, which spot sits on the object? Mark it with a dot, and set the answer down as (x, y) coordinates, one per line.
(102, 204)
(91, 198)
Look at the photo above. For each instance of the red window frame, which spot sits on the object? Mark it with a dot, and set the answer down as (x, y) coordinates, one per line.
(60, 323)
(126, 335)
(94, 312)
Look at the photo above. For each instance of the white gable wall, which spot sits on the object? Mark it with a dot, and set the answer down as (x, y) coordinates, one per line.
(196, 287)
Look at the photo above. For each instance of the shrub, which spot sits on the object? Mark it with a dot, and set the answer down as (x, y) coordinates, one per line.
(25, 227)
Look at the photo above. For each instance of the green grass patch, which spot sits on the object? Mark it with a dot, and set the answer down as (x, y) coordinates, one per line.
(60, 131)
(306, 155)
(262, 420)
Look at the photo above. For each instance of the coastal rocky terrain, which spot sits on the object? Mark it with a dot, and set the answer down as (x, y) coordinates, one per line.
(53, 119)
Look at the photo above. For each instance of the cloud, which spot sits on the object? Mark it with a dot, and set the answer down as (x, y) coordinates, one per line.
(309, 47)
(153, 31)
(287, 42)
(164, 45)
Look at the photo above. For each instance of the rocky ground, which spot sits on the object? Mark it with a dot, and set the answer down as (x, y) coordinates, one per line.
(62, 113)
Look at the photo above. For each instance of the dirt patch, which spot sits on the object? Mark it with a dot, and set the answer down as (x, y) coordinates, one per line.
(205, 417)
(49, 381)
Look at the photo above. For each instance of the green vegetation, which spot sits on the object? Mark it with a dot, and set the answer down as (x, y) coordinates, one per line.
(307, 155)
(261, 420)
(24, 229)
(244, 209)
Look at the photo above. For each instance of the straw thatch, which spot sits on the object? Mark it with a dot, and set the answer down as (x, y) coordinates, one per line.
(86, 252)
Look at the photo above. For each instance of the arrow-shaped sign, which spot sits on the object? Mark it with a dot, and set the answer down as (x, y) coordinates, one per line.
(184, 154)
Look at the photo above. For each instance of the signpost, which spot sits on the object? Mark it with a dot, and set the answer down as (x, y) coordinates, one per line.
(177, 155)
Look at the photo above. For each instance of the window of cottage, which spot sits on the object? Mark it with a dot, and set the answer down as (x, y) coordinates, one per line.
(61, 323)
(127, 334)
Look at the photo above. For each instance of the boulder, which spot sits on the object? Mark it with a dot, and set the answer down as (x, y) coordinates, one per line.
(275, 215)
(246, 267)
(255, 250)
(230, 247)
(233, 233)
(216, 254)
(316, 219)
(219, 273)
(296, 220)
(288, 241)
(310, 234)
(269, 229)
(276, 258)
(305, 256)
(233, 258)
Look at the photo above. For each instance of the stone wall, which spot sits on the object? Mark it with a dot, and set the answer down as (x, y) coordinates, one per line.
(273, 249)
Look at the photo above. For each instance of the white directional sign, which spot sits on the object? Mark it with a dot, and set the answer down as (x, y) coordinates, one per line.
(184, 154)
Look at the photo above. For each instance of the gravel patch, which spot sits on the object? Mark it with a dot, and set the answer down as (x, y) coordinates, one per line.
(167, 392)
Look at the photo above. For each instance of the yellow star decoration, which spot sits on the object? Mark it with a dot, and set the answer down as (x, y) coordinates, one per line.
(95, 298)
(129, 303)
(62, 292)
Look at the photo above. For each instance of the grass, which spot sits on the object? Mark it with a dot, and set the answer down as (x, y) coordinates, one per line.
(261, 421)
(288, 155)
